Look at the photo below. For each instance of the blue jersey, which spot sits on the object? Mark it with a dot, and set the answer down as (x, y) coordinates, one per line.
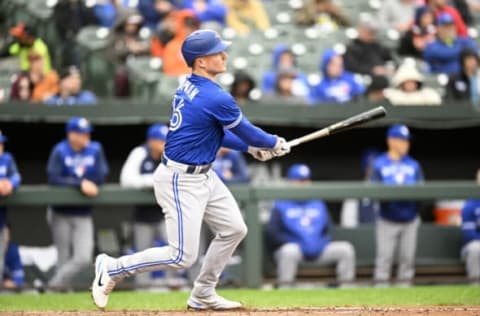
(8, 170)
(68, 168)
(233, 163)
(201, 110)
(471, 221)
(305, 223)
(406, 171)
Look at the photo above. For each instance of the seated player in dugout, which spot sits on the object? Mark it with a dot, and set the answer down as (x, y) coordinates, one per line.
(300, 231)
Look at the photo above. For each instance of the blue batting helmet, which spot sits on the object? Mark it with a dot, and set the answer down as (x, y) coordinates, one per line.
(202, 43)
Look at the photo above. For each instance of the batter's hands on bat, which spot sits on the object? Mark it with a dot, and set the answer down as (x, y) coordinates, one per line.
(89, 188)
(282, 147)
(260, 154)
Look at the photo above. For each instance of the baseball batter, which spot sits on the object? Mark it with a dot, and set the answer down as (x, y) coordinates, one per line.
(204, 117)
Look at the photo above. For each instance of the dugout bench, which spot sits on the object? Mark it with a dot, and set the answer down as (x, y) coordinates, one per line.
(437, 257)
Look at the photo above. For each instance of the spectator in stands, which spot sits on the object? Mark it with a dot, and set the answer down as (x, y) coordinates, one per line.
(22, 88)
(128, 42)
(13, 275)
(210, 13)
(24, 41)
(323, 13)
(443, 54)
(283, 58)
(397, 14)
(154, 11)
(471, 239)
(463, 8)
(9, 181)
(79, 163)
(474, 6)
(106, 12)
(441, 7)
(365, 54)
(408, 88)
(422, 33)
(45, 85)
(70, 92)
(286, 90)
(376, 88)
(230, 166)
(397, 225)
(241, 87)
(355, 212)
(465, 84)
(137, 172)
(300, 231)
(242, 14)
(336, 85)
(69, 17)
(167, 42)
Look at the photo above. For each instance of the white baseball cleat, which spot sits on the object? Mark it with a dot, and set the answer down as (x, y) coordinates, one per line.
(102, 285)
(214, 302)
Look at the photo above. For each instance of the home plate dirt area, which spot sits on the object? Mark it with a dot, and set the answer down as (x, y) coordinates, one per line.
(357, 311)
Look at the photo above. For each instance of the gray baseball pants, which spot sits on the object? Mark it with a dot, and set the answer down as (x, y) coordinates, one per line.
(398, 239)
(187, 200)
(471, 255)
(340, 253)
(73, 237)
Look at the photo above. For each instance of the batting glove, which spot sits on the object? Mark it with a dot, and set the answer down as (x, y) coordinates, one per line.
(260, 154)
(281, 147)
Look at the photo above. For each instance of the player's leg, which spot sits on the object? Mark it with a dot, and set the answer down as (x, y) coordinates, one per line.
(288, 256)
(183, 198)
(143, 237)
(62, 238)
(386, 235)
(82, 250)
(407, 247)
(223, 216)
(342, 254)
(471, 255)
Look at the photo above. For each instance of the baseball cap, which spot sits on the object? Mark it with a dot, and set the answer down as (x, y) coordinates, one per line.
(299, 171)
(157, 131)
(20, 30)
(399, 131)
(3, 138)
(445, 18)
(79, 125)
(202, 43)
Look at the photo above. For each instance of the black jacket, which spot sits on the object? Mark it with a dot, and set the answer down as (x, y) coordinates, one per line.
(361, 57)
(458, 87)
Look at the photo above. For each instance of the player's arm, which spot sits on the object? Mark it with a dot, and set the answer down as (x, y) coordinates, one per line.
(101, 167)
(275, 231)
(54, 171)
(130, 176)
(240, 169)
(13, 174)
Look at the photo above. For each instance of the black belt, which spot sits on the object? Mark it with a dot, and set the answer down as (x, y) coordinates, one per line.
(190, 169)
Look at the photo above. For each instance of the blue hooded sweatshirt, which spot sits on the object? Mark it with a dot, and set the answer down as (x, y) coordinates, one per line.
(270, 77)
(335, 90)
(215, 11)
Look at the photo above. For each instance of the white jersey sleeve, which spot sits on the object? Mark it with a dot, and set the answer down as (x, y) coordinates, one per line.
(130, 176)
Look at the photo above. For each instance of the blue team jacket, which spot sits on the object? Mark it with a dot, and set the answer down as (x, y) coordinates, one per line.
(8, 170)
(444, 58)
(13, 265)
(335, 90)
(305, 223)
(69, 168)
(404, 172)
(471, 221)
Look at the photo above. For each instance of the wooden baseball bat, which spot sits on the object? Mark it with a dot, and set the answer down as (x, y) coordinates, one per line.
(341, 126)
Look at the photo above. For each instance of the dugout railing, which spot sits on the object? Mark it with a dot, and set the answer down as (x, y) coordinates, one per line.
(250, 196)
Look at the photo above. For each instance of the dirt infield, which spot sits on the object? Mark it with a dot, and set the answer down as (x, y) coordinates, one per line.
(357, 311)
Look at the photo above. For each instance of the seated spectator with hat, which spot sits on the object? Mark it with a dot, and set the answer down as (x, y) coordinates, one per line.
(70, 92)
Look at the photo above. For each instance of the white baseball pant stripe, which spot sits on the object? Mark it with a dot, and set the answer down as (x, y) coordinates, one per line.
(186, 200)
